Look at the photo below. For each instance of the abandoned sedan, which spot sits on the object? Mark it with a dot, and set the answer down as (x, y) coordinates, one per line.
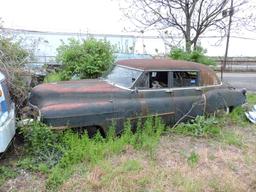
(134, 89)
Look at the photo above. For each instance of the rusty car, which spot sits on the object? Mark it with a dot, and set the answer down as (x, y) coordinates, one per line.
(135, 89)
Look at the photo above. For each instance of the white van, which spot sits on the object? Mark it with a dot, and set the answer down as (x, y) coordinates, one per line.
(7, 115)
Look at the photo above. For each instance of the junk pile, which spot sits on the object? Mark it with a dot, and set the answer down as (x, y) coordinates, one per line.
(251, 115)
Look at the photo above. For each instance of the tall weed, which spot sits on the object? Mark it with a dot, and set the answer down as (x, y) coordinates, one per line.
(76, 149)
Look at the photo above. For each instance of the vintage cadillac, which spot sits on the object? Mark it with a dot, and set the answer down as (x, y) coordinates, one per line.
(134, 89)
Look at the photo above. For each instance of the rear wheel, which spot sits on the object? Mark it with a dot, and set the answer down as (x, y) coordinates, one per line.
(91, 131)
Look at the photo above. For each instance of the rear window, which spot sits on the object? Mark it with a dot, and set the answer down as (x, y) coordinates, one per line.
(185, 78)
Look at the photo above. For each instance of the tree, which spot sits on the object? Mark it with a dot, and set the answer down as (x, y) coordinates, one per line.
(84, 59)
(197, 55)
(189, 18)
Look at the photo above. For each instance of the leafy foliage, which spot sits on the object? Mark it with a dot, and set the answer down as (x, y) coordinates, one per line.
(84, 59)
(197, 55)
(11, 52)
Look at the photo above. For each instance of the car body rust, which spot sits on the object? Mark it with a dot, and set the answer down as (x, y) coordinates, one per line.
(185, 90)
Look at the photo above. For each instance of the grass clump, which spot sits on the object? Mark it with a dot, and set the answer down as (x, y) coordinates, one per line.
(6, 173)
(201, 126)
(232, 138)
(193, 159)
(212, 127)
(185, 183)
(131, 165)
(251, 98)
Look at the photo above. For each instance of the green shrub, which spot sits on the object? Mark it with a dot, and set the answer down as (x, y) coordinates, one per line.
(84, 59)
(53, 77)
(197, 55)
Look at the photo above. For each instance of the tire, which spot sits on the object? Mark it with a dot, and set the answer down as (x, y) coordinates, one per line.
(92, 131)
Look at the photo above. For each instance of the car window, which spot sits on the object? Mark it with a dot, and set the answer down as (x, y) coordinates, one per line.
(123, 76)
(185, 78)
(153, 80)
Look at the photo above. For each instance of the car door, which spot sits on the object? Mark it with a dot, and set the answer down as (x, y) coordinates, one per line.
(153, 96)
(187, 96)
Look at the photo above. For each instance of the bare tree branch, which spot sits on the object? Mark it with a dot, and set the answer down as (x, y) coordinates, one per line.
(191, 18)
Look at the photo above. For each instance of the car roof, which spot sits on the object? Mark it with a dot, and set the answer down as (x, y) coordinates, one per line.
(207, 75)
(155, 64)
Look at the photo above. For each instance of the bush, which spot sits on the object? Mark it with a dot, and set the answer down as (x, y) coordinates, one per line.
(84, 59)
(197, 55)
(12, 60)
(53, 77)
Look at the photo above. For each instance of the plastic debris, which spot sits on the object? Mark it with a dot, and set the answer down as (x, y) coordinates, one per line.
(251, 115)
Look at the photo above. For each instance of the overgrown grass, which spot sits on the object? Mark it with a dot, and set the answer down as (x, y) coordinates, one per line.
(251, 99)
(43, 147)
(201, 126)
(6, 173)
(58, 154)
(212, 128)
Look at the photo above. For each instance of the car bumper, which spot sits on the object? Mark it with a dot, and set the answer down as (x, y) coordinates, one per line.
(7, 131)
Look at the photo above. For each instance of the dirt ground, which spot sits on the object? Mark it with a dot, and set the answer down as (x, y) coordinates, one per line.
(179, 164)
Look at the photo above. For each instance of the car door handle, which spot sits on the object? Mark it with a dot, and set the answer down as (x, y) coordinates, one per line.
(169, 91)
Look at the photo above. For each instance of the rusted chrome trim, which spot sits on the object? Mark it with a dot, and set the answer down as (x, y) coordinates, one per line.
(180, 88)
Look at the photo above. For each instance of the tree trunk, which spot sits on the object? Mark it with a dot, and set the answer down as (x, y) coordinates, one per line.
(188, 28)
(188, 45)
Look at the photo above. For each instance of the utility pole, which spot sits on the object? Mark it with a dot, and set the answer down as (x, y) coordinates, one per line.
(225, 13)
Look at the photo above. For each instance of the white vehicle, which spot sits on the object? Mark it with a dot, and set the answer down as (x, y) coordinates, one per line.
(7, 116)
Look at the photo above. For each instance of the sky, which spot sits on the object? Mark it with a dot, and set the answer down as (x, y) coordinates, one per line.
(96, 16)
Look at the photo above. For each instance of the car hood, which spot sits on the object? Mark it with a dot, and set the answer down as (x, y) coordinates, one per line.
(74, 92)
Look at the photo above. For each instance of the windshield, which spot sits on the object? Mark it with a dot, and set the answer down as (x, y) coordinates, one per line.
(123, 76)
